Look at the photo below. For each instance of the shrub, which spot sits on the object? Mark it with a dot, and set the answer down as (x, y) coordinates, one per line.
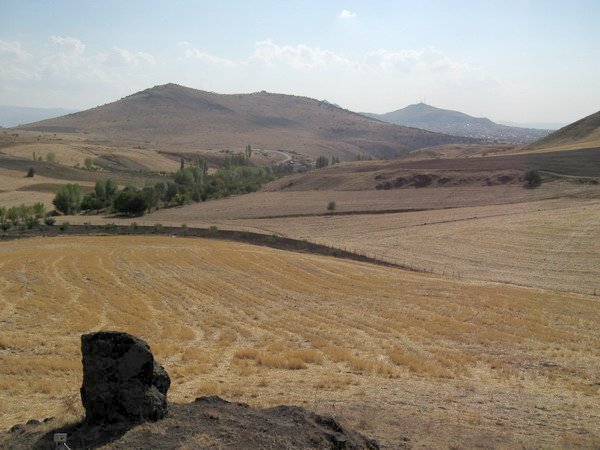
(213, 230)
(270, 239)
(32, 222)
(532, 179)
(331, 206)
(307, 355)
(179, 199)
(246, 353)
(50, 221)
(302, 244)
(64, 226)
(30, 172)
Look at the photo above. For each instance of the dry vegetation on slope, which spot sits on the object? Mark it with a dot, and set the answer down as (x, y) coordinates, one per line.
(480, 364)
(479, 171)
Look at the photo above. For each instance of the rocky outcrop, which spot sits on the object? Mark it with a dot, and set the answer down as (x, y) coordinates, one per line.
(206, 424)
(121, 380)
(123, 386)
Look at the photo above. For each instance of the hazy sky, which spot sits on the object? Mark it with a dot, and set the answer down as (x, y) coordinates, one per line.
(527, 61)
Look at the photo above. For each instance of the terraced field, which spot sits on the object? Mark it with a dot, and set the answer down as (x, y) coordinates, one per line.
(480, 364)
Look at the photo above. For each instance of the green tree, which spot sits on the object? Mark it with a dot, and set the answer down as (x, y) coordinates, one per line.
(202, 165)
(130, 202)
(92, 202)
(88, 163)
(171, 192)
(322, 161)
(184, 176)
(100, 189)
(110, 188)
(151, 197)
(68, 199)
(39, 210)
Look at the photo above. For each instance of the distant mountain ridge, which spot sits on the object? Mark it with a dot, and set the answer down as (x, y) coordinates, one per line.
(176, 117)
(456, 123)
(12, 116)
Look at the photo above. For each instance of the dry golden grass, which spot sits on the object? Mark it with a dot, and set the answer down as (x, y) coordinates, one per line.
(66, 153)
(390, 352)
(16, 188)
(71, 151)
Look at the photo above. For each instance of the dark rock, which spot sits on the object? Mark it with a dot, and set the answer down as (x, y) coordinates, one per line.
(121, 380)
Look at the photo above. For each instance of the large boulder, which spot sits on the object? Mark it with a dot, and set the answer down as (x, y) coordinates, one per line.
(121, 380)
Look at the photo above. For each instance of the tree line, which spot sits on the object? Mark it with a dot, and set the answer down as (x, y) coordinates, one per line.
(189, 184)
(26, 215)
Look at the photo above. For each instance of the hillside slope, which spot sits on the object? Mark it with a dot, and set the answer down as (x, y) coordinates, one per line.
(580, 134)
(458, 124)
(172, 116)
(482, 171)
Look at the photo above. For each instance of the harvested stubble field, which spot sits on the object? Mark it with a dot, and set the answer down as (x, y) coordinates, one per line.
(550, 244)
(546, 238)
(307, 203)
(443, 362)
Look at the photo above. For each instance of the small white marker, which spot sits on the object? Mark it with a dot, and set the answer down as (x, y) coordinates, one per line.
(60, 439)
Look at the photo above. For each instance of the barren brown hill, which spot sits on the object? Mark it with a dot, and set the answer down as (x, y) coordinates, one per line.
(580, 134)
(172, 116)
